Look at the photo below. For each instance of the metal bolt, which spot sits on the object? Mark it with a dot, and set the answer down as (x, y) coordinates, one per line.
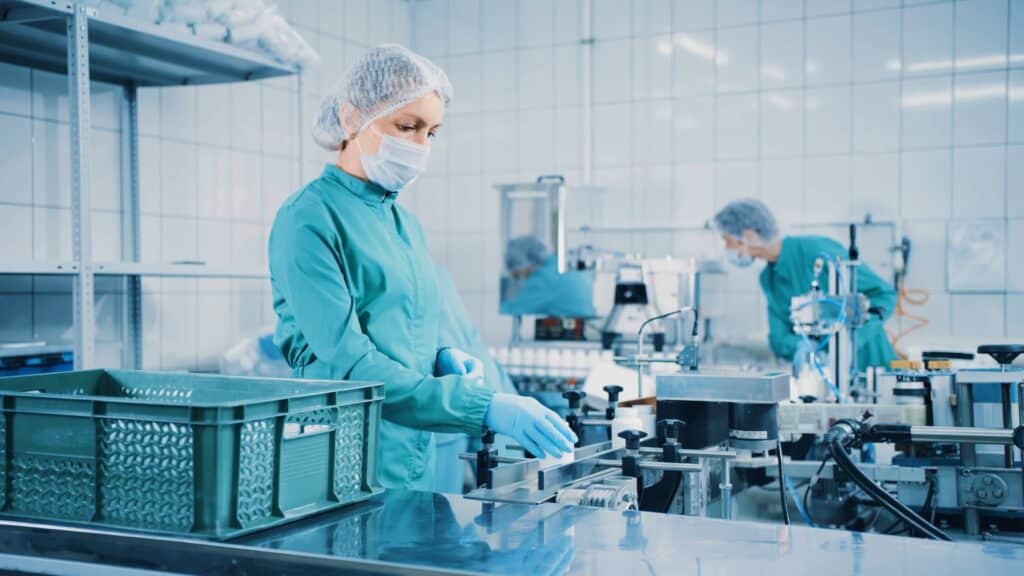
(987, 480)
(997, 493)
(982, 494)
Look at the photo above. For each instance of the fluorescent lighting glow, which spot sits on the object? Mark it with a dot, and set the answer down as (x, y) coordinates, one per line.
(963, 94)
(701, 49)
(664, 47)
(779, 101)
(946, 65)
(773, 72)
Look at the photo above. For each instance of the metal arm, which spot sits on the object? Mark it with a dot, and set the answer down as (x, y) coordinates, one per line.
(640, 342)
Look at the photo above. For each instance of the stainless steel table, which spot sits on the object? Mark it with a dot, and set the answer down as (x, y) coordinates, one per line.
(425, 533)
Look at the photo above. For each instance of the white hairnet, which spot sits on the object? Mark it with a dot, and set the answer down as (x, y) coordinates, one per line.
(747, 214)
(525, 252)
(384, 79)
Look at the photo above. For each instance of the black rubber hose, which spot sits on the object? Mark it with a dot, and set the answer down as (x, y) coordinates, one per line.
(893, 505)
(782, 483)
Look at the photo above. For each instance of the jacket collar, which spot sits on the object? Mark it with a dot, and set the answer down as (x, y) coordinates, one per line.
(364, 190)
(787, 256)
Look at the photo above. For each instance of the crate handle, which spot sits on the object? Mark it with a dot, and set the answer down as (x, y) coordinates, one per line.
(300, 430)
(297, 430)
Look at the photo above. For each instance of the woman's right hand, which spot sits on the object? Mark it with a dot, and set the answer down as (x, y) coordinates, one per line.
(538, 429)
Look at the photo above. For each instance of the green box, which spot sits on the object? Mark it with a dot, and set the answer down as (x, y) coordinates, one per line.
(197, 455)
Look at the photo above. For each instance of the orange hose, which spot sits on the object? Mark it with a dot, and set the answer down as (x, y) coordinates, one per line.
(907, 297)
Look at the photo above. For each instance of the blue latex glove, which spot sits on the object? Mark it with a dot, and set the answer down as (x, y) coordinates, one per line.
(536, 428)
(455, 361)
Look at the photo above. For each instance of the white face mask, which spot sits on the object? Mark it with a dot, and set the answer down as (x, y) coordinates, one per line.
(396, 164)
(737, 259)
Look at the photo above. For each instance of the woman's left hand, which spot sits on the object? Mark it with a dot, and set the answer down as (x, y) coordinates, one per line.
(455, 361)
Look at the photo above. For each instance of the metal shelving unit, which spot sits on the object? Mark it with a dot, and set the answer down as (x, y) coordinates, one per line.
(37, 268)
(76, 40)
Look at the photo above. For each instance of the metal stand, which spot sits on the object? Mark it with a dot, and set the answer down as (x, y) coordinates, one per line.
(965, 418)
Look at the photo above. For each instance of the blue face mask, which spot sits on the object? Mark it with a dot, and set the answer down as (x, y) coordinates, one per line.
(738, 260)
(396, 164)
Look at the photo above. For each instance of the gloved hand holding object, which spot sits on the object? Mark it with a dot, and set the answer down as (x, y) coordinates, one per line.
(539, 430)
(455, 361)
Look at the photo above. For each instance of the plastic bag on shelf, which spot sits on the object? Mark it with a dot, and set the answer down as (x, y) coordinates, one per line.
(182, 11)
(284, 43)
(210, 31)
(119, 6)
(251, 24)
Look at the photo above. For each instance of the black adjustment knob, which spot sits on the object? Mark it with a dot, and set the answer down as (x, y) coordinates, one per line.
(1018, 436)
(488, 437)
(632, 438)
(574, 397)
(613, 391)
(1003, 354)
(670, 429)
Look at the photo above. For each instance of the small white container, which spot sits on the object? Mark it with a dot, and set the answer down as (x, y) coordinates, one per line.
(632, 418)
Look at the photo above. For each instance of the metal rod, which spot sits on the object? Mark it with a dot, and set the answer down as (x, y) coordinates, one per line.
(1005, 388)
(1020, 422)
(131, 245)
(654, 465)
(963, 435)
(852, 330)
(724, 454)
(726, 488)
(640, 343)
(498, 459)
(586, 89)
(965, 418)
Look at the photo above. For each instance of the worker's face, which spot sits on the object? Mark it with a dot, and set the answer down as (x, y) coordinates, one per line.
(522, 273)
(749, 244)
(417, 122)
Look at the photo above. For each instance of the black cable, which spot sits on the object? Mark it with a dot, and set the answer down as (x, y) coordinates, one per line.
(894, 506)
(810, 485)
(782, 482)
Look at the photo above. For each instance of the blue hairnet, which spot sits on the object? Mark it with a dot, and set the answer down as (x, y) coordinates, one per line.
(525, 252)
(747, 214)
(384, 79)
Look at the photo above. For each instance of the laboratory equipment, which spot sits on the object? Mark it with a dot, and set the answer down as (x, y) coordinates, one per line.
(829, 322)
(631, 308)
(918, 432)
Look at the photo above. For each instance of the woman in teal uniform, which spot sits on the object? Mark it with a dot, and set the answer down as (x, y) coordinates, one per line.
(354, 286)
(751, 233)
(536, 286)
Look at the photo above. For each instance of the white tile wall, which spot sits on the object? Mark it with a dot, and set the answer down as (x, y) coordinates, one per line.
(215, 163)
(826, 109)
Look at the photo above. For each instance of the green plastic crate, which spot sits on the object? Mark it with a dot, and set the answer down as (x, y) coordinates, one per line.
(185, 454)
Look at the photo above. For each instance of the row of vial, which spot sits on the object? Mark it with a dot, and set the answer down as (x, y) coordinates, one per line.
(549, 361)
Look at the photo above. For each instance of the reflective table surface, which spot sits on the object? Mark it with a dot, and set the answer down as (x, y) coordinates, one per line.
(450, 532)
(424, 533)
